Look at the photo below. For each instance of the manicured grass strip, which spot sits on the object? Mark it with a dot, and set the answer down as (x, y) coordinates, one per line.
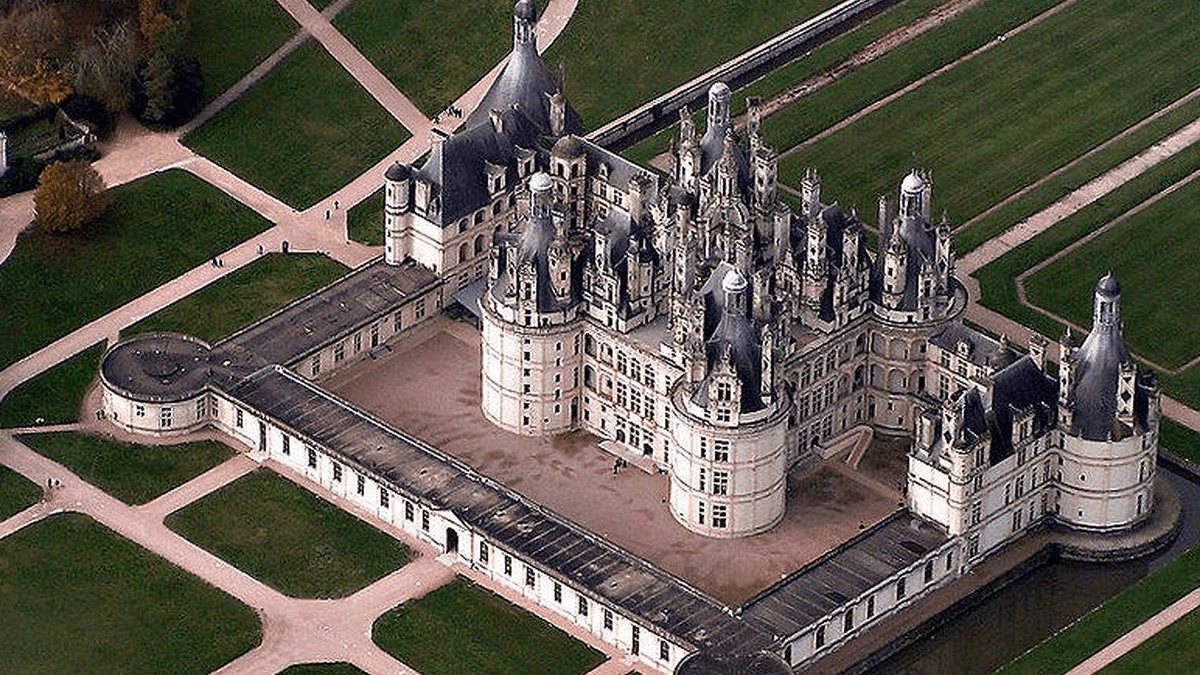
(231, 37)
(1152, 255)
(365, 220)
(1179, 439)
(133, 473)
(302, 132)
(621, 53)
(77, 598)
(322, 669)
(16, 493)
(897, 69)
(433, 51)
(1013, 114)
(462, 628)
(244, 296)
(155, 229)
(1059, 186)
(55, 395)
(1171, 650)
(1114, 618)
(286, 536)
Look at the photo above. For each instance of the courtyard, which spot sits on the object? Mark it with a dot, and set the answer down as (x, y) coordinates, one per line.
(429, 386)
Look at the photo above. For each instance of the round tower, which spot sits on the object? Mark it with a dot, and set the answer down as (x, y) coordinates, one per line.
(397, 197)
(727, 458)
(531, 325)
(1110, 439)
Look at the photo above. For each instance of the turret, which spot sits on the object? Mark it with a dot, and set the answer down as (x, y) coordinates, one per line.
(895, 272)
(397, 199)
(766, 171)
(688, 162)
(524, 21)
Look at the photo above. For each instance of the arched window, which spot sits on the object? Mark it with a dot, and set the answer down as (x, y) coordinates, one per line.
(463, 252)
(479, 244)
(496, 208)
(589, 377)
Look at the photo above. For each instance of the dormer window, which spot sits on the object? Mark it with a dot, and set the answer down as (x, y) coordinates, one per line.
(724, 391)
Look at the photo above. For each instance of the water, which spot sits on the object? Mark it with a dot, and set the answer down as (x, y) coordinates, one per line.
(1033, 608)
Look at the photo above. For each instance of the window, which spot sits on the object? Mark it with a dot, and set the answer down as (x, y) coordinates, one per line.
(408, 511)
(361, 486)
(635, 640)
(337, 472)
(287, 444)
(723, 415)
(848, 621)
(315, 367)
(357, 342)
(929, 571)
(200, 408)
(483, 552)
(164, 417)
(312, 458)
(700, 513)
(901, 588)
(396, 323)
(720, 515)
(239, 417)
(720, 485)
(140, 411)
(608, 619)
(425, 520)
(507, 565)
(703, 447)
(530, 577)
(384, 500)
(976, 512)
(703, 479)
(583, 606)
(720, 451)
(724, 391)
(419, 308)
(870, 606)
(819, 640)
(664, 650)
(557, 592)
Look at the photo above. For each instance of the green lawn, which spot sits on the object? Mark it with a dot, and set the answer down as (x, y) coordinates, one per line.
(1114, 618)
(1171, 650)
(966, 239)
(365, 220)
(285, 536)
(1150, 255)
(1013, 114)
(16, 492)
(305, 130)
(621, 53)
(231, 37)
(1179, 439)
(155, 229)
(77, 598)
(408, 42)
(463, 628)
(244, 296)
(322, 669)
(133, 473)
(55, 395)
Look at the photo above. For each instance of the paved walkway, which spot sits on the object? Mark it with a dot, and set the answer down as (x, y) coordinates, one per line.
(1078, 198)
(1137, 636)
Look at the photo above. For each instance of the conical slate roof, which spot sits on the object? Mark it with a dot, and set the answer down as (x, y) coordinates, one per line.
(1098, 363)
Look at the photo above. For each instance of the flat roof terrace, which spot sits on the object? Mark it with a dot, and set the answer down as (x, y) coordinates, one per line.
(429, 386)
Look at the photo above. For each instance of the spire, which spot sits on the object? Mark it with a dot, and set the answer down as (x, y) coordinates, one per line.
(524, 20)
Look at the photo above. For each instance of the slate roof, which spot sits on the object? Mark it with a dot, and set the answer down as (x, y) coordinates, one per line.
(843, 574)
(1099, 361)
(560, 547)
(319, 318)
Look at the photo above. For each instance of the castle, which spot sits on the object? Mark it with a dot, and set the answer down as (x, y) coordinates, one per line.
(699, 322)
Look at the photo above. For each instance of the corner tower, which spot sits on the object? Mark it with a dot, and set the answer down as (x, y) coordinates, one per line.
(1109, 421)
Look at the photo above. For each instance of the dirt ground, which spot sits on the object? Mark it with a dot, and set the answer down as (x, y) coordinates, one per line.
(429, 386)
